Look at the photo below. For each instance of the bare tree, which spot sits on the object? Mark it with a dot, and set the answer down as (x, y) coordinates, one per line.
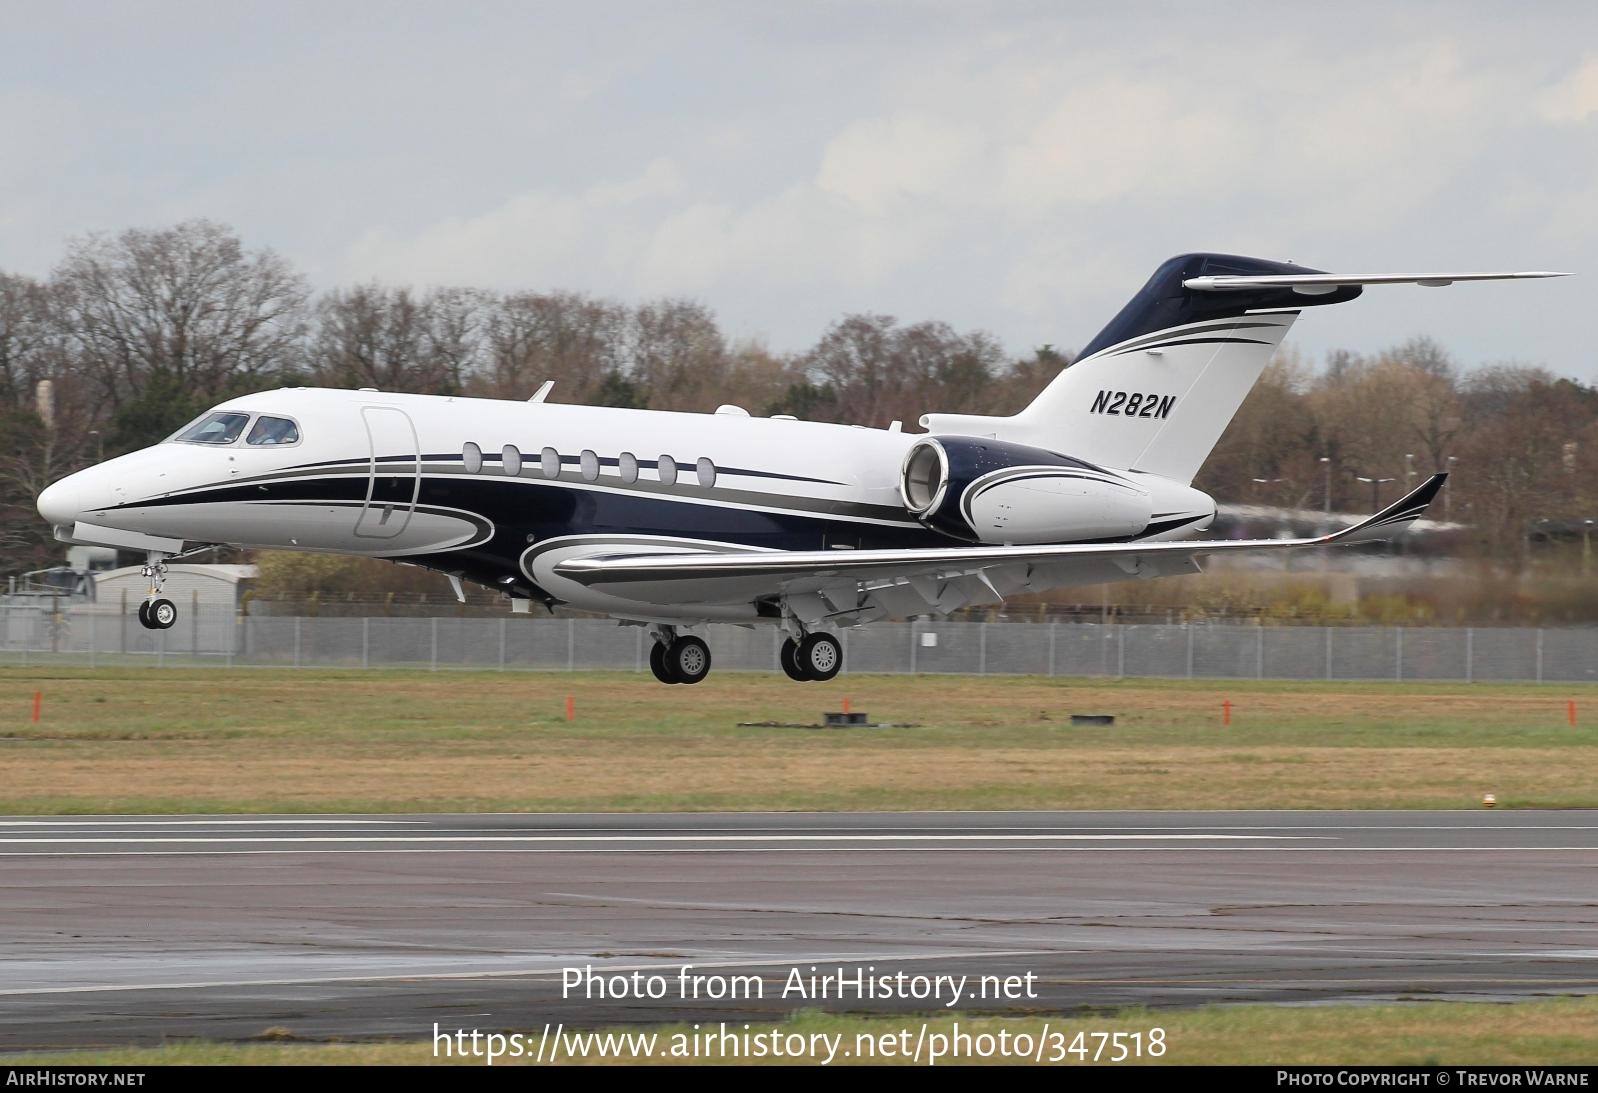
(1523, 451)
(30, 339)
(854, 359)
(1267, 439)
(169, 320)
(457, 334)
(37, 447)
(677, 356)
(572, 339)
(395, 340)
(879, 371)
(1024, 379)
(38, 443)
(758, 379)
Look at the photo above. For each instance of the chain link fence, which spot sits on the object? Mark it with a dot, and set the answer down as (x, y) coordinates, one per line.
(90, 636)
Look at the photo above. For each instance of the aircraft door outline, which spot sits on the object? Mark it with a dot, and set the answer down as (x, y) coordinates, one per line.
(394, 473)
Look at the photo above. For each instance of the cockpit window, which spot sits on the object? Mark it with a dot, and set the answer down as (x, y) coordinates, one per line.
(273, 430)
(218, 428)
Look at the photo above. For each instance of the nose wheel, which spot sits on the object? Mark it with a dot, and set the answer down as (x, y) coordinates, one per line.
(157, 613)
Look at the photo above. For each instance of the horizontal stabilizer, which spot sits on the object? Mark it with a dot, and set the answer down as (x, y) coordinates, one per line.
(1315, 284)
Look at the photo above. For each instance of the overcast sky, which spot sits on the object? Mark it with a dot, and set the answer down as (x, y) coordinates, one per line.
(1016, 167)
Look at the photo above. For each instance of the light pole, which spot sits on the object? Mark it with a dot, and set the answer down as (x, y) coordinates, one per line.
(1326, 497)
(99, 445)
(1448, 492)
(1586, 547)
(1376, 488)
(1409, 471)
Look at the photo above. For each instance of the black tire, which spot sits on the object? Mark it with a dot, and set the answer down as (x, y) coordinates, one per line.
(689, 659)
(144, 615)
(820, 656)
(163, 615)
(657, 664)
(788, 657)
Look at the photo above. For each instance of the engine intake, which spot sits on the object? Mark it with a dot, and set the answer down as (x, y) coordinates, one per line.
(992, 491)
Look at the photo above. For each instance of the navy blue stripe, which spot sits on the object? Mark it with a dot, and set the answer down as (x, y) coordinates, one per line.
(1192, 341)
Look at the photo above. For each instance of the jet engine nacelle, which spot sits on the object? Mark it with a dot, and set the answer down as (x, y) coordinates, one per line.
(991, 491)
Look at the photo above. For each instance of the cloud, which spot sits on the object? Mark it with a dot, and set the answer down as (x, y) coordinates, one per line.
(1115, 140)
(1575, 98)
(539, 238)
(879, 163)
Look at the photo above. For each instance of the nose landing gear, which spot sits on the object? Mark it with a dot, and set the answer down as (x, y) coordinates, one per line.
(156, 612)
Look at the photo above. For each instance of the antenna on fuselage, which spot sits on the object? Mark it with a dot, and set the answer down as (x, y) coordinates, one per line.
(543, 391)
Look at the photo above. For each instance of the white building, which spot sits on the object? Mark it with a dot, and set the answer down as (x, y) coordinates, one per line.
(208, 587)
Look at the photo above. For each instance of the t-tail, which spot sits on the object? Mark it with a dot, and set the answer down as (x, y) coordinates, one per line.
(1156, 388)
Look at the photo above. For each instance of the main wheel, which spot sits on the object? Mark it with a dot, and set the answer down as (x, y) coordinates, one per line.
(144, 615)
(657, 664)
(788, 657)
(820, 656)
(163, 615)
(689, 659)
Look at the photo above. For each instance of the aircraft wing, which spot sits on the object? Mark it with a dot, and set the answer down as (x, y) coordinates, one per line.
(860, 584)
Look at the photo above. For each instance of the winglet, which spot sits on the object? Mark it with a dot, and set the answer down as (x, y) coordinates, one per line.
(1394, 518)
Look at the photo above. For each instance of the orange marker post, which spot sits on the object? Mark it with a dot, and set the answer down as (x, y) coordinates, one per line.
(571, 708)
(38, 697)
(1571, 709)
(1226, 712)
(846, 704)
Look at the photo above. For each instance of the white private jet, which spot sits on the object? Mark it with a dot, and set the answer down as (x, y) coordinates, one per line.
(674, 520)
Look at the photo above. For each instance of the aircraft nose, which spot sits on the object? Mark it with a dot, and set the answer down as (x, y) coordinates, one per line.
(62, 502)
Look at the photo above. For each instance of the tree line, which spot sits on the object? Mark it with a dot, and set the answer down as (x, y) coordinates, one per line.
(1519, 442)
(140, 331)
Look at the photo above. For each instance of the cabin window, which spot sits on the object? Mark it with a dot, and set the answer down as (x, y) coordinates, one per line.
(549, 463)
(273, 430)
(472, 458)
(628, 465)
(590, 464)
(666, 469)
(512, 458)
(707, 472)
(218, 428)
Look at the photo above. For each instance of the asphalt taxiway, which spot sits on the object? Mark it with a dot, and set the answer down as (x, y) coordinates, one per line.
(139, 929)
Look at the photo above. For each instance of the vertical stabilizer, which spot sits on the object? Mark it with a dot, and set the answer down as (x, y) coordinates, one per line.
(1156, 388)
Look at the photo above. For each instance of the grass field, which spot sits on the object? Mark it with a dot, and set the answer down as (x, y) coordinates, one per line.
(1547, 1033)
(174, 741)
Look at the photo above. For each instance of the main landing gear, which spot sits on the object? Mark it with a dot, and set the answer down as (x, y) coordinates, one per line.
(157, 613)
(682, 658)
(815, 658)
(678, 659)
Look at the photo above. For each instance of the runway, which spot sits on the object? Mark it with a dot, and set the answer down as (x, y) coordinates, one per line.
(139, 929)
